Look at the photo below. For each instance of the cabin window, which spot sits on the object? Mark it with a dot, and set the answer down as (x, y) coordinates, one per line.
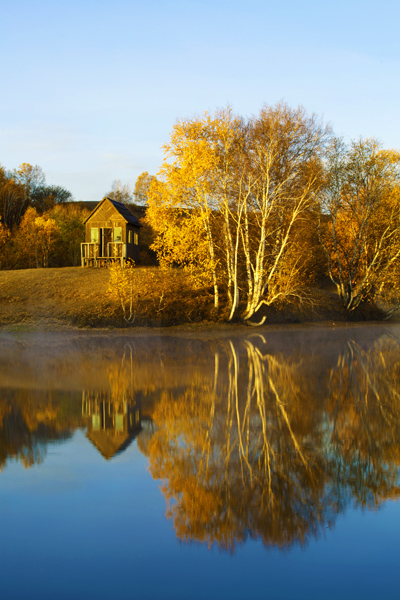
(119, 422)
(117, 234)
(96, 422)
(136, 238)
(94, 235)
(130, 236)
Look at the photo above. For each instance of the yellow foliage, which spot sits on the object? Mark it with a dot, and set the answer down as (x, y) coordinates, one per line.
(157, 295)
(36, 237)
(123, 288)
(181, 240)
(229, 197)
(362, 235)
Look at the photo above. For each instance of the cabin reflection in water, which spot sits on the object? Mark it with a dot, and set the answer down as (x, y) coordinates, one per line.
(111, 424)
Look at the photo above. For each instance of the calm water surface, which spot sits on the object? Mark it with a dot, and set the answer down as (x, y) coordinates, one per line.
(259, 465)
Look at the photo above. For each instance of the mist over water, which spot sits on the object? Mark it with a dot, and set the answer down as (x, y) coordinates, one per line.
(243, 443)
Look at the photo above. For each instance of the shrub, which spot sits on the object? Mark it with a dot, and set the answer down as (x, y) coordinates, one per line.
(157, 296)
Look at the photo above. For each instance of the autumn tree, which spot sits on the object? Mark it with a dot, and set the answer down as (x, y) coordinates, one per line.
(24, 187)
(13, 199)
(31, 177)
(142, 187)
(37, 193)
(360, 227)
(180, 241)
(250, 184)
(186, 193)
(35, 239)
(70, 222)
(283, 177)
(4, 241)
(183, 236)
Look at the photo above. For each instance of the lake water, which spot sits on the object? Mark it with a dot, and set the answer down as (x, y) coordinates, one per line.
(262, 464)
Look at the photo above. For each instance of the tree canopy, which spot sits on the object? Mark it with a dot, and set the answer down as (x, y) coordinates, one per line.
(361, 215)
(26, 187)
(236, 193)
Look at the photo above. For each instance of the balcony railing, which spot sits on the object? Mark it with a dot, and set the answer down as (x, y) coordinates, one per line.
(91, 254)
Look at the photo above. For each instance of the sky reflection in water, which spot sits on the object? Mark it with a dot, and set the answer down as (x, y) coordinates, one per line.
(264, 465)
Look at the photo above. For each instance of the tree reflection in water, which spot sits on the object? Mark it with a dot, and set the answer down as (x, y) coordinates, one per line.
(264, 450)
(364, 417)
(250, 439)
(28, 422)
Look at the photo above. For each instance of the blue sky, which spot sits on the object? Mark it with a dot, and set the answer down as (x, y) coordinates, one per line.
(90, 89)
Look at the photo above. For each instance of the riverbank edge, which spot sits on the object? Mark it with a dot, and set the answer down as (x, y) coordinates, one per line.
(76, 299)
(211, 329)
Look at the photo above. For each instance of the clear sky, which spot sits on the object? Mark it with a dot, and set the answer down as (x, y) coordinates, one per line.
(90, 89)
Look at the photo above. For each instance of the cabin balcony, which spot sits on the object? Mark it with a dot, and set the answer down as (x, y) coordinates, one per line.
(93, 255)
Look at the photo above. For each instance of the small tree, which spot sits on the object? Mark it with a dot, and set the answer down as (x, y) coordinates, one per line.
(123, 289)
(120, 192)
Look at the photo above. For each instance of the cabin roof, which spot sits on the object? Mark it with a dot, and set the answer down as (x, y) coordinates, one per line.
(110, 444)
(121, 208)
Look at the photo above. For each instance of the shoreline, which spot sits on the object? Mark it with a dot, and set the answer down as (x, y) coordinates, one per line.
(49, 326)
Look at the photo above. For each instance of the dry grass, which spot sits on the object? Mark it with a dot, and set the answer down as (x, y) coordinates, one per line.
(59, 295)
(76, 296)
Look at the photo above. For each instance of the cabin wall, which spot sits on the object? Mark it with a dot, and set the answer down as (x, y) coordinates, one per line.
(133, 249)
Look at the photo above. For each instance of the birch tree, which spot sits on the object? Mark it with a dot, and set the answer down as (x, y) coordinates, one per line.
(361, 233)
(283, 178)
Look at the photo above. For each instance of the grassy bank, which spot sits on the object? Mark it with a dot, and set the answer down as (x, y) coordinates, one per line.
(53, 295)
(79, 297)
(73, 296)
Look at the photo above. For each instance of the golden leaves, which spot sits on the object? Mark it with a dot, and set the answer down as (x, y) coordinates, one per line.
(361, 235)
(232, 192)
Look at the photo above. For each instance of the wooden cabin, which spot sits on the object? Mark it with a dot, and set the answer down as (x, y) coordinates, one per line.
(112, 234)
